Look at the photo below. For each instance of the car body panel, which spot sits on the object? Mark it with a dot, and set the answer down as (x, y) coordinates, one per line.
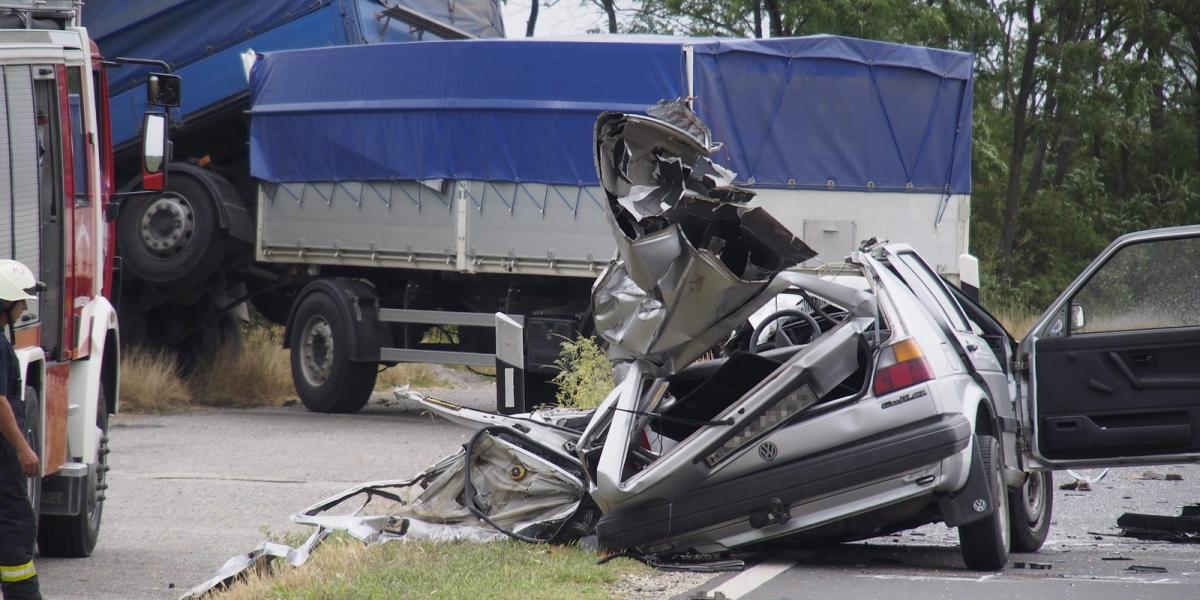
(1120, 384)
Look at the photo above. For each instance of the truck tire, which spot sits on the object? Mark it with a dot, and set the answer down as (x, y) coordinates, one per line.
(985, 543)
(173, 238)
(1031, 507)
(74, 536)
(33, 435)
(324, 376)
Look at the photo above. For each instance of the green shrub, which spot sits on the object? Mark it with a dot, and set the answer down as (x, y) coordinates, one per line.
(586, 375)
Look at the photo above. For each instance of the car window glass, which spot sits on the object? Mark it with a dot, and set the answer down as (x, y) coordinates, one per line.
(1145, 285)
(931, 290)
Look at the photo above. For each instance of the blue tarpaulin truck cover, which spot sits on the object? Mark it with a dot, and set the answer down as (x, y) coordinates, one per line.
(813, 112)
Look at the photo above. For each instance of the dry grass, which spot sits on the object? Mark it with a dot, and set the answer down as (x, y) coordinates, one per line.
(416, 375)
(151, 383)
(343, 568)
(1017, 323)
(260, 375)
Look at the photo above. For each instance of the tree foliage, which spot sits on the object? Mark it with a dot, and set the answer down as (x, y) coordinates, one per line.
(1086, 116)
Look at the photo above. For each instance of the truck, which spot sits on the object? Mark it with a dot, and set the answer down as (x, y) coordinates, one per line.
(187, 259)
(56, 187)
(423, 188)
(382, 201)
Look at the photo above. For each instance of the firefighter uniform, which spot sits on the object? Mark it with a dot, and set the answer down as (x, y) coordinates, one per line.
(18, 524)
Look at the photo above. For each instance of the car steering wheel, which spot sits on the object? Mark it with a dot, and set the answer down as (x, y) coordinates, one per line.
(790, 314)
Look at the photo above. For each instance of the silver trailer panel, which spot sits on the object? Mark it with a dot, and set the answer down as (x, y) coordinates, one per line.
(557, 230)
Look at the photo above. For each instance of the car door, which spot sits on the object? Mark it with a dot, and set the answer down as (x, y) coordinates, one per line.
(1111, 371)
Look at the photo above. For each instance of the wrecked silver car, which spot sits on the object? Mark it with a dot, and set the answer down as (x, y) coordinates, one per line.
(756, 402)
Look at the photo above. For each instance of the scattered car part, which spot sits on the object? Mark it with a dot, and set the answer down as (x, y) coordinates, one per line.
(1183, 528)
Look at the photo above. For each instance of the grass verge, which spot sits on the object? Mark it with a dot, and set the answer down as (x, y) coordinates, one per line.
(344, 568)
(259, 375)
(151, 382)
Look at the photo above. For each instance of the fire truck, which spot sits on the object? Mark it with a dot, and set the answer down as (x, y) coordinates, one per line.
(57, 212)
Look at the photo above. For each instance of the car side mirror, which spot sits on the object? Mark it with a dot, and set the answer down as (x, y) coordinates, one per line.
(163, 89)
(1077, 320)
(155, 148)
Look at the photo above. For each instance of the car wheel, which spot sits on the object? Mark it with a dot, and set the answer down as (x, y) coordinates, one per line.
(325, 377)
(985, 542)
(1030, 510)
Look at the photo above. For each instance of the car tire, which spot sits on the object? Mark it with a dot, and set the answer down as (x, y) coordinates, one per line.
(182, 254)
(325, 377)
(1030, 508)
(985, 542)
(74, 536)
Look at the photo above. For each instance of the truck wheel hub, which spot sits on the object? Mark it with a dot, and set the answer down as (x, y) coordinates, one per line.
(167, 225)
(317, 350)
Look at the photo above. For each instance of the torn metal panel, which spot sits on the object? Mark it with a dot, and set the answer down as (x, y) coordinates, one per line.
(1183, 528)
(693, 260)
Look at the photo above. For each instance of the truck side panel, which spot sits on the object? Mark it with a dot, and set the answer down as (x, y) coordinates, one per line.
(471, 226)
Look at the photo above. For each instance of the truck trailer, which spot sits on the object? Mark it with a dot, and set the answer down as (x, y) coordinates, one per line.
(415, 190)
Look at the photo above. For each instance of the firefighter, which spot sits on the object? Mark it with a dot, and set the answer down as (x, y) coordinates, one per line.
(18, 461)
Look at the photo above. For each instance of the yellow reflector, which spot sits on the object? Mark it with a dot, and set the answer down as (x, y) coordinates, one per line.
(907, 350)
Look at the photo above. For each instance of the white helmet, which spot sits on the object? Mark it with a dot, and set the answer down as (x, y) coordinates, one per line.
(17, 282)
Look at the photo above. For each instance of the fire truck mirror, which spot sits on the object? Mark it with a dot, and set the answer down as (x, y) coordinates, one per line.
(163, 89)
(154, 151)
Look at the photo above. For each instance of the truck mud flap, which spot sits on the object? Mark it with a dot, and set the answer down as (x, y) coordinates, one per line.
(859, 463)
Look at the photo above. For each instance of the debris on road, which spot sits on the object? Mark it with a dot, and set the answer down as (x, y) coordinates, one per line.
(1036, 566)
(1146, 569)
(1184, 528)
(1077, 485)
(1154, 475)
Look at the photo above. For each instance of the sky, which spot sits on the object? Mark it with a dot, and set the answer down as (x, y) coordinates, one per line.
(562, 17)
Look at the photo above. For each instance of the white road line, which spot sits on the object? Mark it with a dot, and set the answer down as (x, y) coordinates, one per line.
(750, 579)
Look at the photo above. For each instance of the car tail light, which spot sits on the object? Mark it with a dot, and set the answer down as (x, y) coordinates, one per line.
(900, 365)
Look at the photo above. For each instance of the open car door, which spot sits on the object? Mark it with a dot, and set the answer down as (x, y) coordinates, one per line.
(1111, 372)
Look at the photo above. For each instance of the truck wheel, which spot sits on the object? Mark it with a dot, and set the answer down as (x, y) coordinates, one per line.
(174, 237)
(985, 542)
(33, 435)
(1031, 507)
(74, 536)
(326, 379)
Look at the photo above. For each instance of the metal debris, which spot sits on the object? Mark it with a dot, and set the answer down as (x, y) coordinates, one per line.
(1154, 475)
(1036, 566)
(1146, 569)
(1184, 528)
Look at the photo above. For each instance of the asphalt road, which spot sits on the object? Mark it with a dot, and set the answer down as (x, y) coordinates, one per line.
(189, 491)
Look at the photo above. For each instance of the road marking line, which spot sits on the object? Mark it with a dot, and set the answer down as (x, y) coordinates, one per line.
(750, 579)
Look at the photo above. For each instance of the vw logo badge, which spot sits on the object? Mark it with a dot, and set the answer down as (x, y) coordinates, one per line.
(768, 451)
(980, 505)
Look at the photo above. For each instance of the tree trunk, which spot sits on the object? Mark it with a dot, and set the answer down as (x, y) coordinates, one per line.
(533, 15)
(758, 19)
(1017, 159)
(610, 9)
(775, 16)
